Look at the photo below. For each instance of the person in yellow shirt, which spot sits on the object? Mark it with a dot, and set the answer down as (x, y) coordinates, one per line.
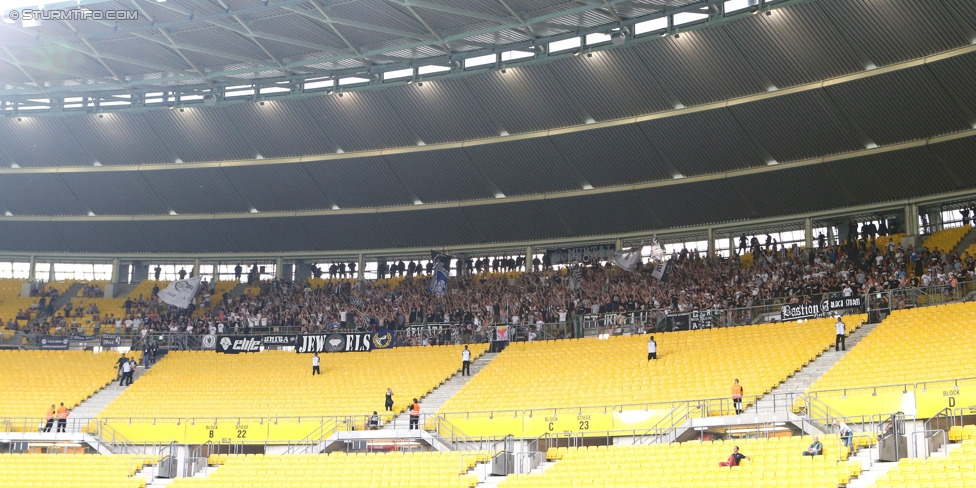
(49, 418)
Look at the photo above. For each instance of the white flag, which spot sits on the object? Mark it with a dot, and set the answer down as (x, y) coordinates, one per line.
(179, 293)
(627, 259)
(661, 271)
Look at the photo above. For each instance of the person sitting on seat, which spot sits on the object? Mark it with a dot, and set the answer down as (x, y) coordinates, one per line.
(815, 449)
(374, 421)
(735, 458)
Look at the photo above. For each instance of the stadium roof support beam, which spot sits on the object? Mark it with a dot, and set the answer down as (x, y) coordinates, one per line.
(248, 34)
(731, 228)
(336, 54)
(331, 19)
(442, 205)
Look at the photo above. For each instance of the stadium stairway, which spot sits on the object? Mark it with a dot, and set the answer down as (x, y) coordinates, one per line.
(234, 292)
(871, 469)
(70, 294)
(90, 408)
(493, 481)
(123, 290)
(968, 240)
(435, 399)
(773, 403)
(153, 481)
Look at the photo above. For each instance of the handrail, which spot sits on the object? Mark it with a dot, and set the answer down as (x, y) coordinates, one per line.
(664, 426)
(809, 401)
(315, 437)
(110, 435)
(936, 432)
(904, 386)
(190, 464)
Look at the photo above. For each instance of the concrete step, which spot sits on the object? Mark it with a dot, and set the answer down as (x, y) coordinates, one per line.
(434, 400)
(90, 408)
(803, 379)
(966, 241)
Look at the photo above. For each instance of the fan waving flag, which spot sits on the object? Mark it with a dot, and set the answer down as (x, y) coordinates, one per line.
(628, 258)
(661, 271)
(179, 293)
(438, 280)
(575, 277)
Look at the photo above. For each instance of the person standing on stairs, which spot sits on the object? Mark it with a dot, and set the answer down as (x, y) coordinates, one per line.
(62, 415)
(846, 434)
(651, 349)
(389, 399)
(315, 365)
(466, 362)
(841, 335)
(415, 415)
(737, 396)
(126, 373)
(121, 362)
(49, 417)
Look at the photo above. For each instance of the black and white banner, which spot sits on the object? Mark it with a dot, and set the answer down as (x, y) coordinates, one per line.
(582, 254)
(829, 305)
(342, 342)
(111, 340)
(235, 344)
(279, 340)
(694, 320)
(53, 342)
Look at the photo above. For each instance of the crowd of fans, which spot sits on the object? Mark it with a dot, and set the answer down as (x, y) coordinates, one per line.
(480, 297)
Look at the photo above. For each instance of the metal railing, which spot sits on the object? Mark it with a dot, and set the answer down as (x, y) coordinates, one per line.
(195, 459)
(117, 442)
(928, 436)
(311, 442)
(897, 387)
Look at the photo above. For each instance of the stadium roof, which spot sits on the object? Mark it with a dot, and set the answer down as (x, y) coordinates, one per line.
(818, 106)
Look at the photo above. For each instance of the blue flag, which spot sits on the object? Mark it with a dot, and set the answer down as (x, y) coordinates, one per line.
(438, 280)
(382, 338)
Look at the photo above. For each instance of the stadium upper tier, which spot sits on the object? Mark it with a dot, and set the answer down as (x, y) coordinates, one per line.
(765, 276)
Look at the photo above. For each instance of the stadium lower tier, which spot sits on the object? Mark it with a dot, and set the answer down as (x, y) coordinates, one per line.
(71, 470)
(775, 462)
(405, 469)
(952, 471)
